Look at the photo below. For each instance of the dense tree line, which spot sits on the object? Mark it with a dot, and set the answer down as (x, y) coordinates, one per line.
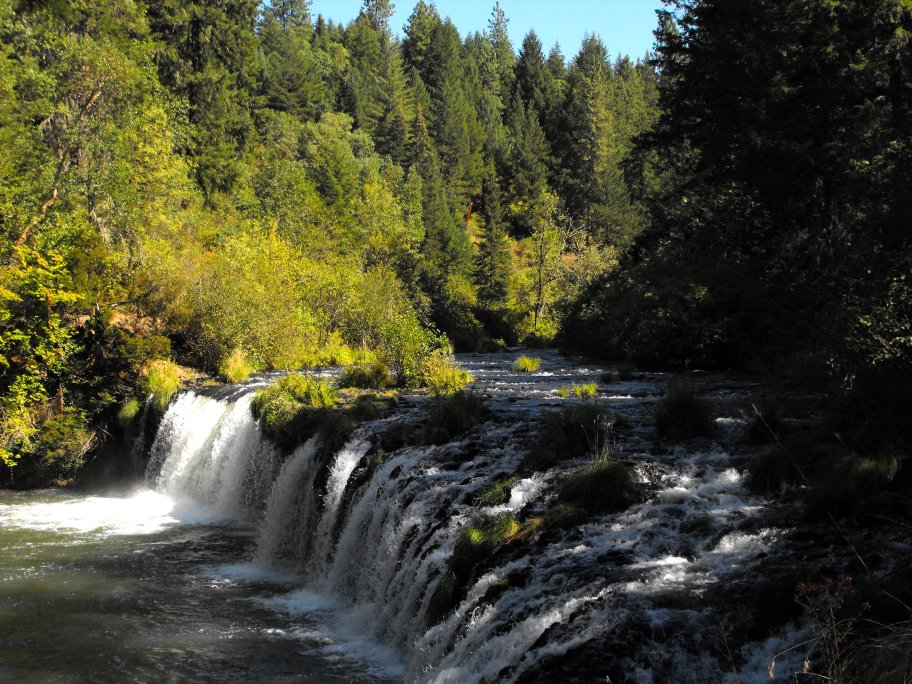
(776, 180)
(233, 185)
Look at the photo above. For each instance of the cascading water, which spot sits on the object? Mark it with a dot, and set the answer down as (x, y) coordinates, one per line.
(372, 539)
(236, 561)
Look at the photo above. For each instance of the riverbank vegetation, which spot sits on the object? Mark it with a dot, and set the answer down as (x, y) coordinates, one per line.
(238, 188)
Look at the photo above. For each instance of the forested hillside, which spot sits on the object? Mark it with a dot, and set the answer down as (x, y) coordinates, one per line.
(235, 187)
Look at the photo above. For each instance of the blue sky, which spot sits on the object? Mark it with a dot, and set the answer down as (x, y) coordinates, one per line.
(625, 25)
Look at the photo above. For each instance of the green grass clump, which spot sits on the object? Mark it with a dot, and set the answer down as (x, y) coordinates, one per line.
(681, 414)
(497, 494)
(443, 376)
(128, 412)
(603, 487)
(452, 416)
(480, 539)
(282, 407)
(526, 364)
(568, 433)
(162, 380)
(236, 367)
(585, 391)
(374, 375)
(563, 392)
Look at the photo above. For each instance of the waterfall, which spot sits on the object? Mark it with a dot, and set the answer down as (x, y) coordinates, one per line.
(376, 535)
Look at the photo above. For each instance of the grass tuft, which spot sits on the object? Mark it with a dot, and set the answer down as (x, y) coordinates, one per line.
(526, 364)
(568, 433)
(162, 380)
(236, 368)
(374, 375)
(681, 414)
(443, 376)
(605, 486)
(452, 416)
(128, 412)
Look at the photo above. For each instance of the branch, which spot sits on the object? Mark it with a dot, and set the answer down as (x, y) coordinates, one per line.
(62, 168)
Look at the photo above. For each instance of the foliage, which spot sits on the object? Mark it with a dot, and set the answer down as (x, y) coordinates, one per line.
(568, 433)
(605, 486)
(526, 364)
(452, 416)
(498, 493)
(681, 414)
(161, 379)
(443, 376)
(372, 375)
(59, 450)
(128, 411)
(235, 368)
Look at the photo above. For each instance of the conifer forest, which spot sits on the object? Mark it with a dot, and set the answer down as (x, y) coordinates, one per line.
(410, 354)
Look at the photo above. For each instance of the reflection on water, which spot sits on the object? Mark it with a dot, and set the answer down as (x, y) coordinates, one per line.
(142, 588)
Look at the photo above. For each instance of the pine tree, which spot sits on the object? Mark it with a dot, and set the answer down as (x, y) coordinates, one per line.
(493, 263)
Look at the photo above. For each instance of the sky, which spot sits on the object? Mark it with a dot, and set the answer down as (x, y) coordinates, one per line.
(625, 26)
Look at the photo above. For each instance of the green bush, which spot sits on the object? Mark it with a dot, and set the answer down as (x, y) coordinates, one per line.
(585, 391)
(568, 433)
(278, 405)
(603, 487)
(128, 412)
(452, 416)
(526, 364)
(162, 380)
(443, 376)
(681, 414)
(372, 375)
(59, 450)
(497, 494)
(235, 368)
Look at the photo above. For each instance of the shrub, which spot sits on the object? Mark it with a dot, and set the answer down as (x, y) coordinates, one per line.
(59, 450)
(681, 414)
(129, 411)
(372, 375)
(603, 487)
(497, 494)
(767, 426)
(570, 432)
(443, 376)
(278, 405)
(162, 380)
(585, 391)
(452, 416)
(235, 368)
(526, 364)
(562, 516)
(772, 473)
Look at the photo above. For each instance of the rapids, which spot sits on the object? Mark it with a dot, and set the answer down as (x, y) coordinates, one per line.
(328, 567)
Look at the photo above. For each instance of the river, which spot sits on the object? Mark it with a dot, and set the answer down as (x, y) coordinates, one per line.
(231, 563)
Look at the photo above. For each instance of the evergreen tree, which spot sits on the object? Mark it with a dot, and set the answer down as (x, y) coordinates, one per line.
(504, 57)
(493, 263)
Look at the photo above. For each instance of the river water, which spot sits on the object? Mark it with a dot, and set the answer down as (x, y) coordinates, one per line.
(232, 563)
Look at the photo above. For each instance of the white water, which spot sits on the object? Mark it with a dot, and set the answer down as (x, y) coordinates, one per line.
(366, 550)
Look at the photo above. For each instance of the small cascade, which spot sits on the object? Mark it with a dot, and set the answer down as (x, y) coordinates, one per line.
(377, 535)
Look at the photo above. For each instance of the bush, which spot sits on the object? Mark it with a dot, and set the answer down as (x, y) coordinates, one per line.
(526, 364)
(497, 494)
(772, 473)
(235, 368)
(681, 414)
(59, 451)
(278, 405)
(443, 376)
(162, 380)
(585, 391)
(766, 427)
(603, 487)
(129, 411)
(452, 416)
(372, 375)
(568, 433)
